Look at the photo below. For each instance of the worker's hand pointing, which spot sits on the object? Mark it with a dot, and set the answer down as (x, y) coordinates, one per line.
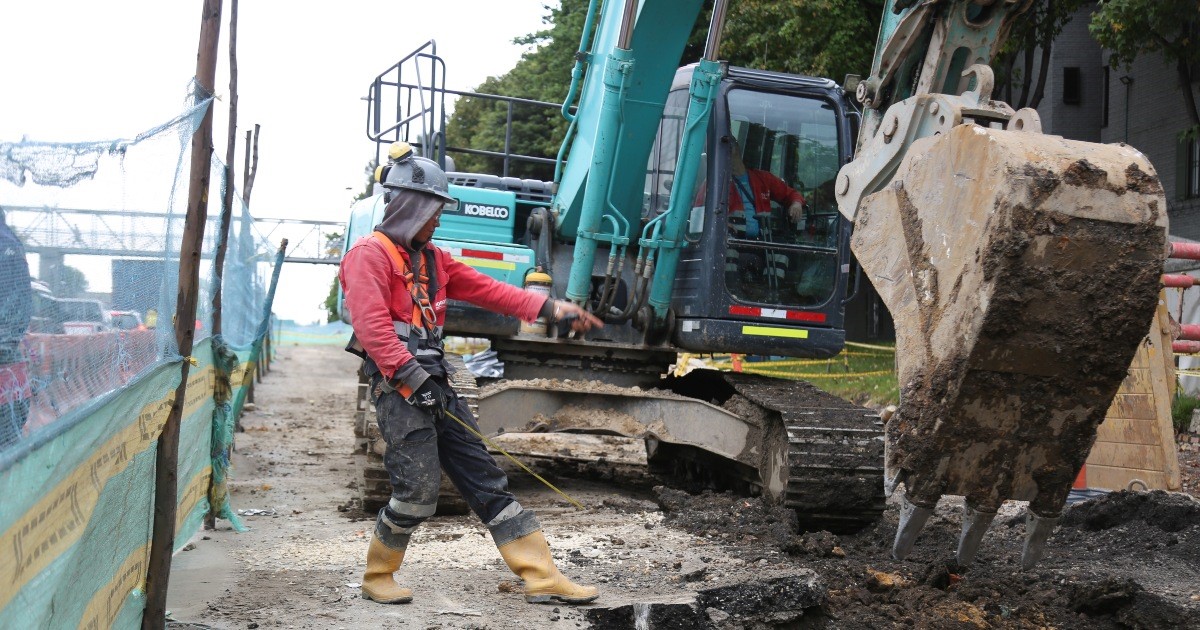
(579, 319)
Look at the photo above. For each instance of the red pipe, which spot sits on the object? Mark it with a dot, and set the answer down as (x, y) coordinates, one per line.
(1190, 251)
(1178, 281)
(1185, 347)
(1189, 332)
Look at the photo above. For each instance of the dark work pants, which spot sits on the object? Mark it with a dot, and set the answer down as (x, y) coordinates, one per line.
(419, 448)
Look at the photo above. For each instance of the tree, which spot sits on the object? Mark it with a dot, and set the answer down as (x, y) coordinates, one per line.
(370, 171)
(71, 282)
(542, 74)
(1032, 32)
(824, 38)
(333, 249)
(331, 302)
(1170, 28)
(828, 38)
(333, 244)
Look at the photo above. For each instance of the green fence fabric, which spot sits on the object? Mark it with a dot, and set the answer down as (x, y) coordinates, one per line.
(195, 444)
(77, 512)
(89, 368)
(78, 507)
(331, 334)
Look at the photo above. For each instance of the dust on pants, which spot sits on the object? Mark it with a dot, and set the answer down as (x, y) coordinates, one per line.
(420, 446)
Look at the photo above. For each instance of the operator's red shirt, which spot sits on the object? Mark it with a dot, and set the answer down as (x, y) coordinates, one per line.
(765, 186)
(376, 295)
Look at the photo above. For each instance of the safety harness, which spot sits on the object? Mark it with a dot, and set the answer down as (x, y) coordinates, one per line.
(417, 281)
(422, 335)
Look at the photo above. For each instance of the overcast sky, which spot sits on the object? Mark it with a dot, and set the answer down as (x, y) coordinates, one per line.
(77, 70)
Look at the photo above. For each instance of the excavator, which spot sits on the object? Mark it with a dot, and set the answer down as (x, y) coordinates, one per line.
(1021, 269)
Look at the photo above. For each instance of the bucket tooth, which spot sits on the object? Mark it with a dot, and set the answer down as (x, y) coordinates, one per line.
(974, 524)
(1037, 530)
(912, 521)
(890, 483)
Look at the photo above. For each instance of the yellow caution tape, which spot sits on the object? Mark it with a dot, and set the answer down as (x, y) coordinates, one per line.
(787, 363)
(868, 346)
(797, 375)
(514, 459)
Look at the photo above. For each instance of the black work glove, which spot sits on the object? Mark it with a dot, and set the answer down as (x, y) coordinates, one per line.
(429, 396)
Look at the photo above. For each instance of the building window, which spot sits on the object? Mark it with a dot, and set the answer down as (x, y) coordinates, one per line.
(1104, 115)
(1072, 86)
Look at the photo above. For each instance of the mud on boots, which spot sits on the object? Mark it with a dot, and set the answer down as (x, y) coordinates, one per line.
(384, 557)
(529, 557)
(396, 285)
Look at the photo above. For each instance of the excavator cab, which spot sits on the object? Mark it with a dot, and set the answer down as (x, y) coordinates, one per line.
(767, 266)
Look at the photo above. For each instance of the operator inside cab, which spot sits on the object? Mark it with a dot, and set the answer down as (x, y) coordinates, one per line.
(781, 246)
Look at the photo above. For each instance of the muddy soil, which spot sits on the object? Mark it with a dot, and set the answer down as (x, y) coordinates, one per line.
(661, 557)
(1127, 560)
(1189, 471)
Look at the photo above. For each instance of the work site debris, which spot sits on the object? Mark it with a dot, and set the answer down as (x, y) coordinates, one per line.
(1111, 535)
(777, 602)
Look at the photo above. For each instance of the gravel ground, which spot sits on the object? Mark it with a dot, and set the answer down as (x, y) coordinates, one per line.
(662, 558)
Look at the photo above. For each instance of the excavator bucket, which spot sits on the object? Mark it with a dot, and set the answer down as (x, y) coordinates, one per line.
(1022, 271)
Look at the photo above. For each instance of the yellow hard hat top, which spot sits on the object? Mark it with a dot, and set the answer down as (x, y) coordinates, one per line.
(379, 173)
(537, 276)
(399, 150)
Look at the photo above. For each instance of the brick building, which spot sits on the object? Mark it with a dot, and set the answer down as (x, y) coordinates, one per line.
(1085, 99)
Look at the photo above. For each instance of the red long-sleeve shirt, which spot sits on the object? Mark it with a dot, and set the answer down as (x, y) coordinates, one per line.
(765, 186)
(376, 295)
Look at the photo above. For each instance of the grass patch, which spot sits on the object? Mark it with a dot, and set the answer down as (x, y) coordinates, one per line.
(865, 375)
(1181, 411)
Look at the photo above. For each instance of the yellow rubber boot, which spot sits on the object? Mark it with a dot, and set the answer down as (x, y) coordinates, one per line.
(529, 557)
(377, 583)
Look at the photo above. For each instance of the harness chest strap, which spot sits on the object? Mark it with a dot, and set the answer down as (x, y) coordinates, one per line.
(423, 316)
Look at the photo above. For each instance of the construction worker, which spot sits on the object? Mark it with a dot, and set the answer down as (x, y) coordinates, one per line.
(396, 284)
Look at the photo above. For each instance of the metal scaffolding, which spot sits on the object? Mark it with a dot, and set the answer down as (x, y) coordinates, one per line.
(119, 233)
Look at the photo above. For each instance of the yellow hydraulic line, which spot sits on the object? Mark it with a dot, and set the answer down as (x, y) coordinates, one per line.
(514, 459)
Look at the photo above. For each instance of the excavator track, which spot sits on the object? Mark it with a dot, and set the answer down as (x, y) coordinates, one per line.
(833, 451)
(785, 440)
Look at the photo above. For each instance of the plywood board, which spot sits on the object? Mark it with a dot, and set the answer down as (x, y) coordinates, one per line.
(1136, 441)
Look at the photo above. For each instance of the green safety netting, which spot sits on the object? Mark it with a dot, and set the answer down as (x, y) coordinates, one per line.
(89, 265)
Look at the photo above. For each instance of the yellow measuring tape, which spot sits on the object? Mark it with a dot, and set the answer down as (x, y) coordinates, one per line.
(514, 459)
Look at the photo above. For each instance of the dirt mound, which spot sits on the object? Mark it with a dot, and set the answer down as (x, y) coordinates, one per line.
(1170, 512)
(1096, 575)
(729, 517)
(1127, 602)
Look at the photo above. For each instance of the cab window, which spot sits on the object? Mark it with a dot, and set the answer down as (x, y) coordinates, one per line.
(782, 223)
